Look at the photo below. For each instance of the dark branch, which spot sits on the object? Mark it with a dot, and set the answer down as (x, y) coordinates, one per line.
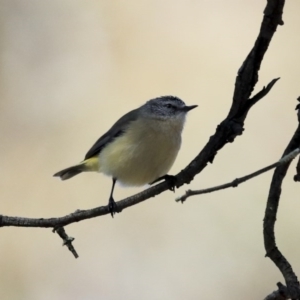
(246, 80)
(280, 294)
(67, 240)
(258, 96)
(80, 215)
(238, 181)
(297, 176)
(270, 218)
(248, 73)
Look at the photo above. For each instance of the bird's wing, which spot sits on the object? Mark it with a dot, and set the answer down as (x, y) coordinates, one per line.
(116, 130)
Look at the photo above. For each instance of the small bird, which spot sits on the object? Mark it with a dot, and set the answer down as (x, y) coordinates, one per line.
(140, 148)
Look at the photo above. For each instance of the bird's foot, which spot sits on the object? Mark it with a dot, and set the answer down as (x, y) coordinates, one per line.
(172, 181)
(169, 178)
(113, 207)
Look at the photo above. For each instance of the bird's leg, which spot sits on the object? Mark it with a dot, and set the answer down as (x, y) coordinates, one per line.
(112, 206)
(169, 178)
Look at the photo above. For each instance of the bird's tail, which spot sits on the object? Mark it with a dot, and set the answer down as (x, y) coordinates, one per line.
(91, 164)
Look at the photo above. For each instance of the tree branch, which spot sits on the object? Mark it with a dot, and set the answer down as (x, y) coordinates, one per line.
(280, 294)
(248, 73)
(67, 240)
(238, 181)
(270, 218)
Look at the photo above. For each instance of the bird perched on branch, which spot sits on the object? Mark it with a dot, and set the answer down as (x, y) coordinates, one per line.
(140, 148)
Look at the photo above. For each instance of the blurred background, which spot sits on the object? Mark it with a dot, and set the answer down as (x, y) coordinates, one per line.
(69, 69)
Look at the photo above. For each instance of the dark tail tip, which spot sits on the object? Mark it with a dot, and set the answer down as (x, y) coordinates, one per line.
(69, 172)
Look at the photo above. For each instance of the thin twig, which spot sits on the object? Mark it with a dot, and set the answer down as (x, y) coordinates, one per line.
(238, 181)
(67, 240)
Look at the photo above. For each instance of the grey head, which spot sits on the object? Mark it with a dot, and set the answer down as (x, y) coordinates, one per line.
(165, 108)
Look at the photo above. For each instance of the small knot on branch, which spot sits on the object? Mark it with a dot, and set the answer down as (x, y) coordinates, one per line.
(237, 129)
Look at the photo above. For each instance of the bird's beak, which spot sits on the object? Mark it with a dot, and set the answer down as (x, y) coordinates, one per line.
(188, 108)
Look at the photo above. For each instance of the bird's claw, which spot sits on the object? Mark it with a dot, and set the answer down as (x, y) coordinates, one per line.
(113, 207)
(170, 179)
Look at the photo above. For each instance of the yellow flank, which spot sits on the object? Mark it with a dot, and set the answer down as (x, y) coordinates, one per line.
(144, 153)
(91, 164)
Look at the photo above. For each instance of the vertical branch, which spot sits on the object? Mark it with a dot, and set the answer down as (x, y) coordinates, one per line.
(272, 250)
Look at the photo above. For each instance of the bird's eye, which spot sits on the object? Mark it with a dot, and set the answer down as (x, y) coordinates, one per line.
(169, 106)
